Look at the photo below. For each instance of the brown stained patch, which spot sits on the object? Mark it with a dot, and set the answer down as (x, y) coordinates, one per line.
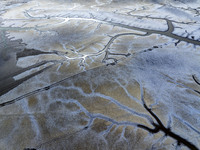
(94, 64)
(71, 68)
(60, 120)
(132, 118)
(83, 122)
(103, 106)
(26, 122)
(121, 144)
(72, 106)
(161, 111)
(83, 140)
(110, 87)
(25, 133)
(134, 89)
(90, 140)
(100, 125)
(137, 47)
(32, 101)
(90, 50)
(62, 93)
(54, 75)
(95, 104)
(7, 125)
(50, 133)
(83, 115)
(113, 128)
(148, 98)
(84, 85)
(154, 38)
(122, 44)
(44, 98)
(117, 140)
(119, 49)
(56, 106)
(135, 138)
(90, 43)
(119, 94)
(58, 47)
(11, 110)
(122, 81)
(116, 92)
(118, 131)
(84, 45)
(128, 131)
(46, 128)
(139, 138)
(113, 136)
(168, 143)
(158, 135)
(66, 83)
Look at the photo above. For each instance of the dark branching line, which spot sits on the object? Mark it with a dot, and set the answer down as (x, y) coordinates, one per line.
(160, 127)
(157, 126)
(197, 82)
(195, 79)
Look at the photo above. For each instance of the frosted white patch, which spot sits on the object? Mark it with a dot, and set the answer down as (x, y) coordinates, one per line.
(32, 60)
(31, 71)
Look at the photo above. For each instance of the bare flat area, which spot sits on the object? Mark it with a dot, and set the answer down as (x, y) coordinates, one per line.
(99, 75)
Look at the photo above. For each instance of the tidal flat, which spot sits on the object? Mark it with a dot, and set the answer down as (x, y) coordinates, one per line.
(99, 74)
